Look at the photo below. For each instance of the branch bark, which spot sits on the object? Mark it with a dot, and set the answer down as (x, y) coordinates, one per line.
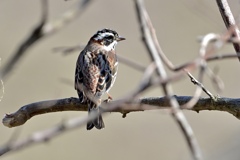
(28, 111)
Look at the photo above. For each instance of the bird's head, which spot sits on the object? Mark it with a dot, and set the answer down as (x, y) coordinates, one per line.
(107, 38)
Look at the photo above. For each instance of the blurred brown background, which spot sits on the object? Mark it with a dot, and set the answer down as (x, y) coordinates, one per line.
(146, 135)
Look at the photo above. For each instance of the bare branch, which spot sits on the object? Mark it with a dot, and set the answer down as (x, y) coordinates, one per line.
(229, 21)
(43, 136)
(151, 43)
(196, 82)
(196, 95)
(43, 29)
(33, 37)
(73, 104)
(28, 111)
(222, 57)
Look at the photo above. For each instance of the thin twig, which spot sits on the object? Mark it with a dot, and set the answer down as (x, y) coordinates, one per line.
(196, 82)
(229, 21)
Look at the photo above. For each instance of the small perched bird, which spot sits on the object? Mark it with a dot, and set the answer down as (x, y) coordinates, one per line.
(96, 71)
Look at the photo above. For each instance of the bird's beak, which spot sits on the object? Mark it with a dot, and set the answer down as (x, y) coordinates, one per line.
(120, 38)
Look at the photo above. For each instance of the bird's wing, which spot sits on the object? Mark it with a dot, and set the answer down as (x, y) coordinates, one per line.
(79, 76)
(104, 68)
(112, 71)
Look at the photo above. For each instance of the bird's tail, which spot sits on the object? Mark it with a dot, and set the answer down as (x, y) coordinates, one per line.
(97, 122)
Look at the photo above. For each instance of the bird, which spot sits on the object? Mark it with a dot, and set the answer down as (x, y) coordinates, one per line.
(96, 71)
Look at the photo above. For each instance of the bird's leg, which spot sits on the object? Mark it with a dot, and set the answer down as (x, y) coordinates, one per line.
(108, 99)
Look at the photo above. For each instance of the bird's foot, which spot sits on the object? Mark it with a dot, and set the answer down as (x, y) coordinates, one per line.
(108, 99)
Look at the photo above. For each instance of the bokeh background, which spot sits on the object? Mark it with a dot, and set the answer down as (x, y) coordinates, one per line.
(42, 75)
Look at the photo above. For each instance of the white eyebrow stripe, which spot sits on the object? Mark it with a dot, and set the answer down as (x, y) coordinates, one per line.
(102, 35)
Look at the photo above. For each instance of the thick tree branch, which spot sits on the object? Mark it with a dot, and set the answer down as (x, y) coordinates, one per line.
(28, 111)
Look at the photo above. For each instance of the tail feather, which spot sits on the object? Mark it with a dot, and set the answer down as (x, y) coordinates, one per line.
(97, 122)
